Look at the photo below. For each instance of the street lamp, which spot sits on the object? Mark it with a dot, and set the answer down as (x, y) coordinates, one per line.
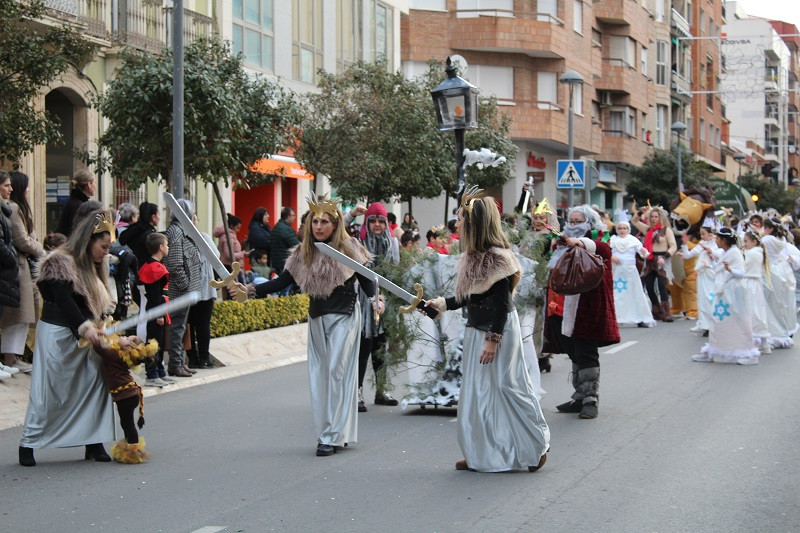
(739, 158)
(679, 128)
(456, 104)
(572, 79)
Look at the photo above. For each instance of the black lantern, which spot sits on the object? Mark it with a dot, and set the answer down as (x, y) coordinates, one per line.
(456, 102)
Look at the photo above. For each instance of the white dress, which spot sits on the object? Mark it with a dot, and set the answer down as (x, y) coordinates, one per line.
(705, 280)
(630, 299)
(781, 312)
(730, 338)
(753, 281)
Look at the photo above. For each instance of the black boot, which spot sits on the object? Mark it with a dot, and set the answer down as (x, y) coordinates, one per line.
(193, 358)
(205, 361)
(97, 452)
(544, 363)
(576, 404)
(589, 388)
(26, 456)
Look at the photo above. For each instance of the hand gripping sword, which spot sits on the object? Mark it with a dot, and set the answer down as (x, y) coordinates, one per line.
(227, 278)
(414, 301)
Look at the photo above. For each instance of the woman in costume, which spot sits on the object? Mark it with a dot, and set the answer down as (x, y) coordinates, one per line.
(334, 321)
(730, 338)
(781, 312)
(500, 424)
(629, 297)
(545, 222)
(706, 252)
(69, 402)
(756, 272)
(660, 244)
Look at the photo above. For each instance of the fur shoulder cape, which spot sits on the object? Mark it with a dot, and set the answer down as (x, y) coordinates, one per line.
(478, 271)
(324, 273)
(60, 266)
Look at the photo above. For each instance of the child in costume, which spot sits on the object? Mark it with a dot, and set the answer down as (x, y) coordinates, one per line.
(118, 357)
(706, 252)
(781, 311)
(756, 269)
(630, 299)
(155, 278)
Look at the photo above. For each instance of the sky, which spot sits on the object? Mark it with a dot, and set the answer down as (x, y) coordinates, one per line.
(785, 10)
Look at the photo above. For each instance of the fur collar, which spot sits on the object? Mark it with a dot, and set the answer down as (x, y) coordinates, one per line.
(478, 271)
(60, 266)
(324, 274)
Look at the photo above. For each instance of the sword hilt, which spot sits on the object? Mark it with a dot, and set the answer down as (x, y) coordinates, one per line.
(241, 296)
(419, 304)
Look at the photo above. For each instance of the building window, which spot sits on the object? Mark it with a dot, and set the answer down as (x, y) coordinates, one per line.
(702, 129)
(702, 21)
(577, 99)
(577, 16)
(348, 36)
(494, 81)
(547, 11)
(621, 122)
(431, 5)
(661, 126)
(381, 25)
(597, 39)
(253, 35)
(659, 10)
(622, 51)
(546, 90)
(306, 39)
(644, 60)
(662, 60)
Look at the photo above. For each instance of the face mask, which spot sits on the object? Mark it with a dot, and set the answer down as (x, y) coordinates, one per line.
(577, 230)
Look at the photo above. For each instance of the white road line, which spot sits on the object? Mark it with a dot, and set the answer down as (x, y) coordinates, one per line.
(210, 529)
(620, 347)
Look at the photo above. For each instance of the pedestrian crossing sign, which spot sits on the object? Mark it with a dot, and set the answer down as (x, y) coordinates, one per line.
(571, 174)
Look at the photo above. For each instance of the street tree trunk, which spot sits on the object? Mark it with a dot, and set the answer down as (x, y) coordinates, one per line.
(222, 210)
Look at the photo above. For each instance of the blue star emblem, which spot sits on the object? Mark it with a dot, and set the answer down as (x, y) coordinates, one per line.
(620, 285)
(721, 310)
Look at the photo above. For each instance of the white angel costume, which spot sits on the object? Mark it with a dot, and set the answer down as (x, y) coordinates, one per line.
(630, 299)
(705, 280)
(754, 275)
(781, 311)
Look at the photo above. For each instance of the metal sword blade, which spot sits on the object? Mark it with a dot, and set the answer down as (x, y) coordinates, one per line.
(191, 230)
(181, 302)
(364, 271)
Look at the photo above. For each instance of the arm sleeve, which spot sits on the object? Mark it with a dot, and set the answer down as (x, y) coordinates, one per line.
(367, 285)
(639, 224)
(672, 246)
(453, 304)
(22, 240)
(61, 291)
(500, 293)
(274, 285)
(8, 256)
(174, 262)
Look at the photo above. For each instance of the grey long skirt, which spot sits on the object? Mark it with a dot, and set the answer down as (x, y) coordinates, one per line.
(500, 423)
(69, 403)
(333, 343)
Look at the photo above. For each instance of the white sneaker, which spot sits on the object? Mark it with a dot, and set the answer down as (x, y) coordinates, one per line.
(696, 329)
(168, 380)
(4, 374)
(747, 361)
(10, 370)
(156, 382)
(702, 358)
(23, 367)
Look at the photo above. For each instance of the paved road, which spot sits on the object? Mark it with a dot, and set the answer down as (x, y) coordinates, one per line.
(679, 446)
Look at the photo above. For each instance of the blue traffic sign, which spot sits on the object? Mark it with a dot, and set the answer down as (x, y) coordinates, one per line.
(571, 174)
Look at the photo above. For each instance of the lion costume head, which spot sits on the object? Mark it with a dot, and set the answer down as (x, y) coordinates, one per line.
(689, 210)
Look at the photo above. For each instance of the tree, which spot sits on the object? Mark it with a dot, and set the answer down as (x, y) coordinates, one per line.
(770, 194)
(656, 179)
(31, 56)
(374, 133)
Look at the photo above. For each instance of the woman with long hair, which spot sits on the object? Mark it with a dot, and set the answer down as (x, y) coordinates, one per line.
(69, 402)
(334, 321)
(661, 245)
(15, 322)
(779, 293)
(258, 236)
(500, 423)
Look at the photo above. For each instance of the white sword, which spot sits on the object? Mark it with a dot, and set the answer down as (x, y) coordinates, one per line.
(181, 302)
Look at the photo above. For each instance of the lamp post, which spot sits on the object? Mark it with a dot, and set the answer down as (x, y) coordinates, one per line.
(572, 79)
(456, 104)
(679, 128)
(739, 158)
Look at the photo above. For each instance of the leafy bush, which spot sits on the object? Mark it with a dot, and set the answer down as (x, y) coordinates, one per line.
(230, 317)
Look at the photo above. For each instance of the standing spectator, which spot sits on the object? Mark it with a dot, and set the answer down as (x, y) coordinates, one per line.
(200, 313)
(234, 225)
(588, 320)
(409, 242)
(258, 232)
(53, 241)
(409, 224)
(69, 402)
(9, 267)
(282, 239)
(394, 227)
(436, 237)
(183, 264)
(155, 279)
(135, 237)
(15, 322)
(128, 214)
(84, 187)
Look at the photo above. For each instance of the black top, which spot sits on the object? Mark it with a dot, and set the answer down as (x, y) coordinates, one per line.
(62, 305)
(76, 199)
(487, 311)
(258, 236)
(9, 267)
(155, 292)
(135, 238)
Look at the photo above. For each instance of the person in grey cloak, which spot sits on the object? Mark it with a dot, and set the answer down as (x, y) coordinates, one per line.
(69, 402)
(500, 423)
(334, 321)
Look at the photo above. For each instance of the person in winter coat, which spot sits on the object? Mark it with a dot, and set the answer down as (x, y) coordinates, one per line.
(9, 267)
(282, 239)
(84, 187)
(259, 232)
(234, 225)
(15, 322)
(135, 237)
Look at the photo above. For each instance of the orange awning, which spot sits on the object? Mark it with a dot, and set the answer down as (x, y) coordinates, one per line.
(288, 169)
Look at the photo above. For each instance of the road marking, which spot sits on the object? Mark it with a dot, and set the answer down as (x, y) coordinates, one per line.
(210, 529)
(620, 347)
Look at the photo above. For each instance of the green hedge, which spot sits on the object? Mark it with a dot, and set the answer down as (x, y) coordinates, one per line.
(230, 318)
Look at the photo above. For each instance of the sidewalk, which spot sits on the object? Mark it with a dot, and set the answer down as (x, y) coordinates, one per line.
(240, 354)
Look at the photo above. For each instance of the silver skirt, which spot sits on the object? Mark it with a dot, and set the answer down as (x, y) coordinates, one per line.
(500, 423)
(333, 343)
(69, 403)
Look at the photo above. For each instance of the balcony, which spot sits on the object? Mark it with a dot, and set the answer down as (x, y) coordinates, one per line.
(679, 24)
(533, 121)
(619, 12)
(620, 146)
(529, 33)
(66, 7)
(681, 87)
(620, 77)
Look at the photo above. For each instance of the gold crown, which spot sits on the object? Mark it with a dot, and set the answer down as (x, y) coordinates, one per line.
(319, 205)
(472, 194)
(543, 208)
(103, 223)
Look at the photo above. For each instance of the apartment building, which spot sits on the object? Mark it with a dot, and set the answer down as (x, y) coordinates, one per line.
(756, 89)
(790, 35)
